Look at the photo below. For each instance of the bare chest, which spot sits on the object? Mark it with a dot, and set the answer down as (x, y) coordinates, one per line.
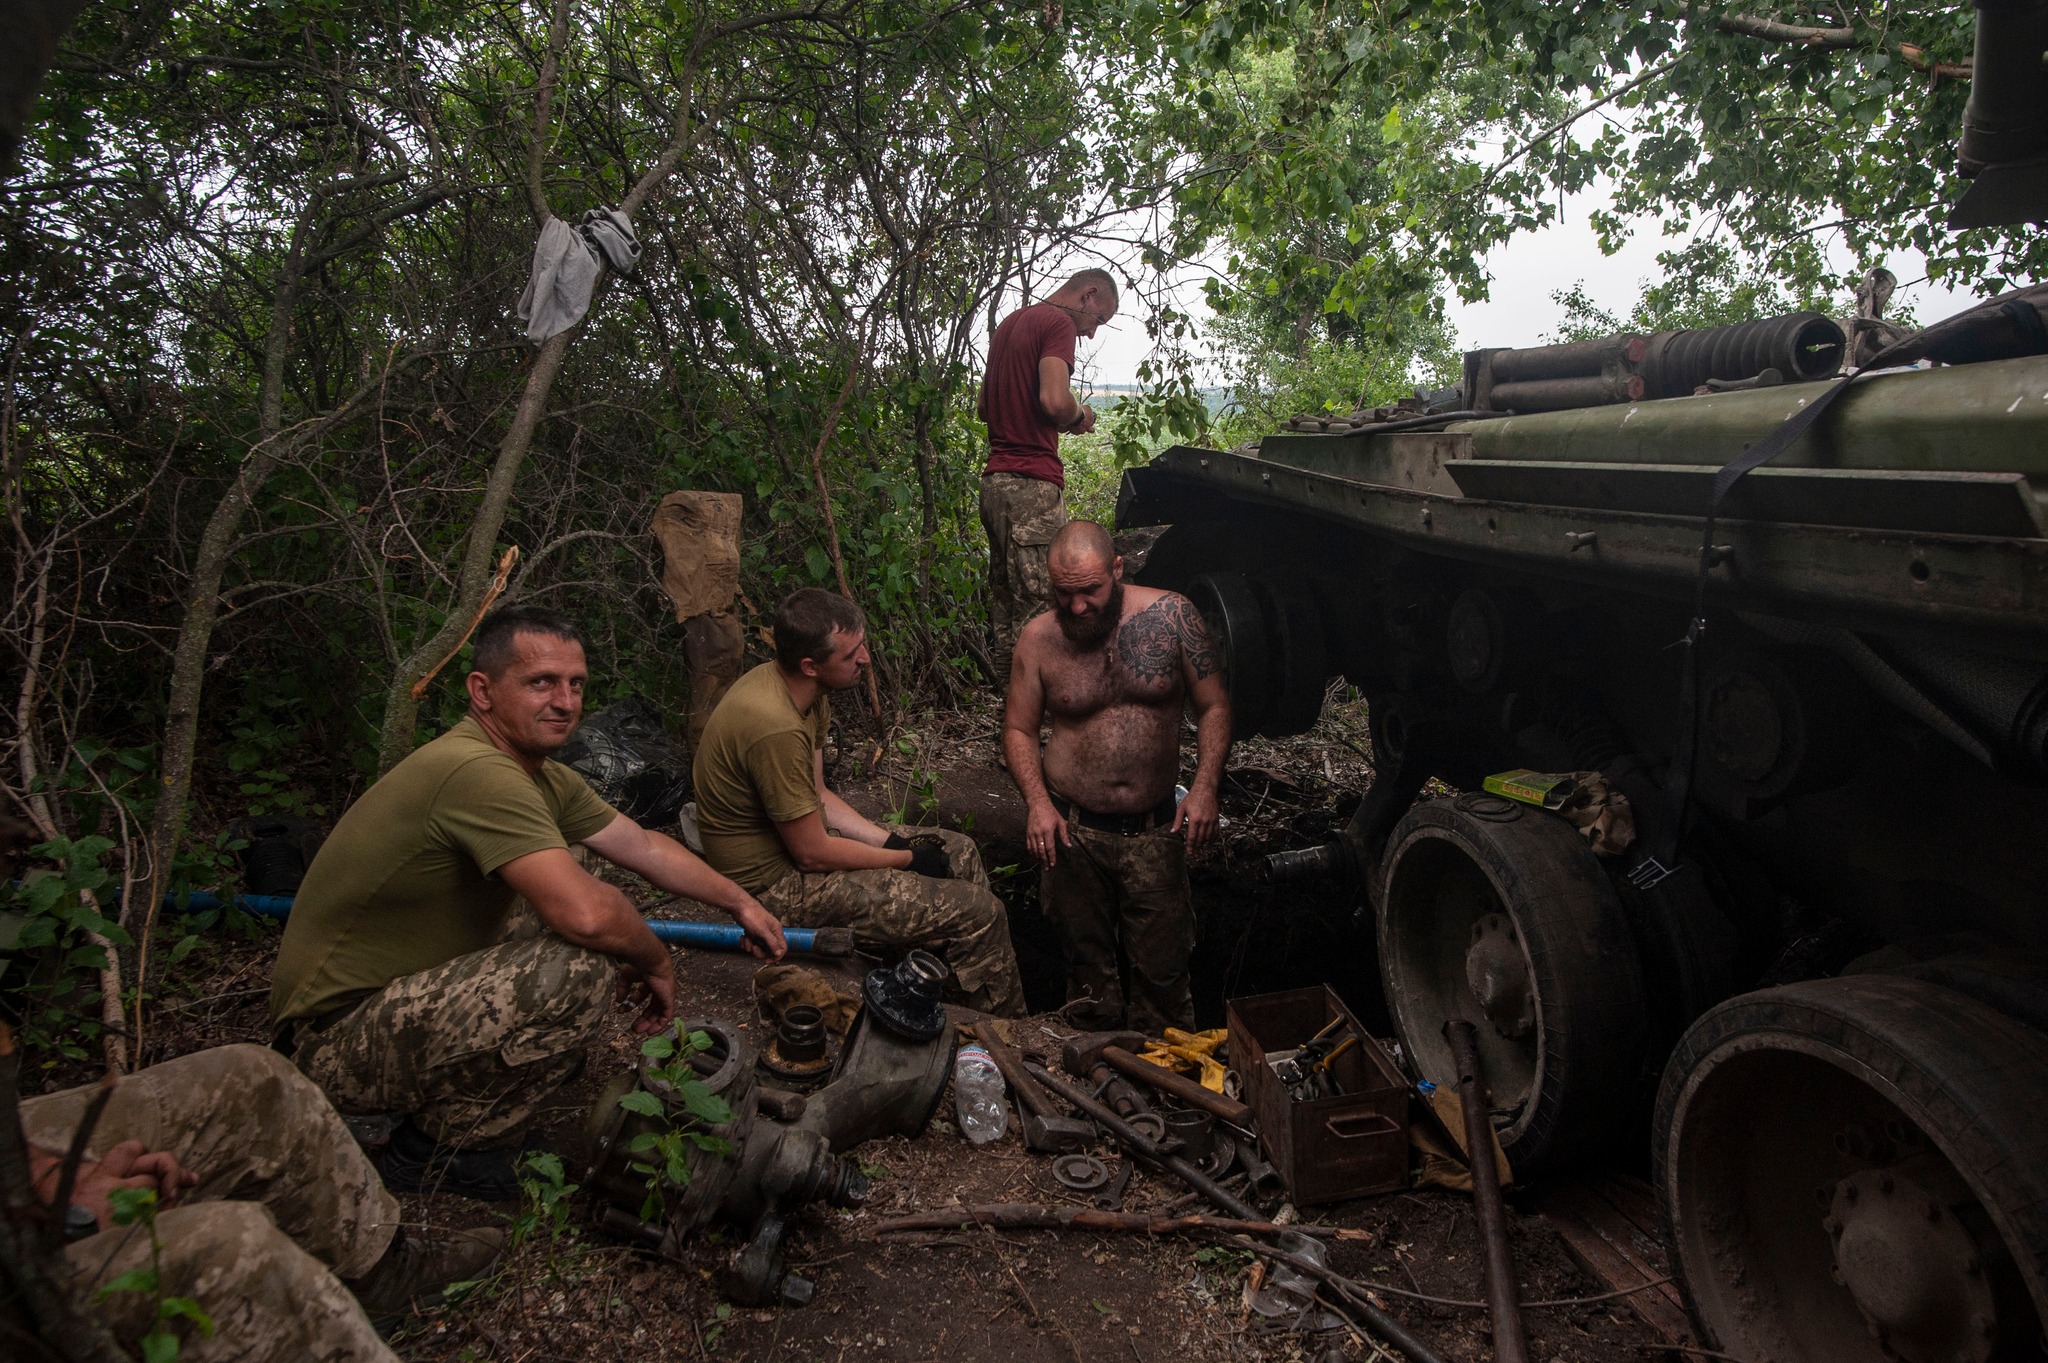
(1132, 669)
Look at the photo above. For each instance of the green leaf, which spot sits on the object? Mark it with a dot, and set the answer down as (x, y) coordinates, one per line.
(658, 1047)
(187, 1309)
(132, 1204)
(704, 1105)
(642, 1102)
(134, 1280)
(159, 1346)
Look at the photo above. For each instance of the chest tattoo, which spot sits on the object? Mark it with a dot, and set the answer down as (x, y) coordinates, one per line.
(1152, 643)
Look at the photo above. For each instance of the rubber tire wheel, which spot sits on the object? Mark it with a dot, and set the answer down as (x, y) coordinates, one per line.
(1588, 983)
(1235, 615)
(1294, 625)
(1972, 1079)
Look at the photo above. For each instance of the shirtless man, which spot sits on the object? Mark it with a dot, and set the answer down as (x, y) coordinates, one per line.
(1113, 666)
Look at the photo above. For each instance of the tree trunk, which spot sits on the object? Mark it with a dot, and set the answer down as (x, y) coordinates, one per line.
(202, 604)
(401, 711)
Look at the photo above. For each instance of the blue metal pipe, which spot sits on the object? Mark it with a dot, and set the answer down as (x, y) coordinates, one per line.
(704, 936)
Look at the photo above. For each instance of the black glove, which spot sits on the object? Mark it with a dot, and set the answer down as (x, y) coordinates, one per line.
(896, 842)
(929, 859)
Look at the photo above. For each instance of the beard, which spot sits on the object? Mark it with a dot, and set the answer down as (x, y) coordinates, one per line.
(1091, 631)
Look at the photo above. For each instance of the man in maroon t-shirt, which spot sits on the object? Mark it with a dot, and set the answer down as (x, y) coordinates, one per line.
(1027, 402)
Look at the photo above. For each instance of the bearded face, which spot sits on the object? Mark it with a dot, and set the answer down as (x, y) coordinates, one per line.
(1093, 629)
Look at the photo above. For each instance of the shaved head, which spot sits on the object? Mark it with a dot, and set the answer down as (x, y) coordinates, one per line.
(1081, 542)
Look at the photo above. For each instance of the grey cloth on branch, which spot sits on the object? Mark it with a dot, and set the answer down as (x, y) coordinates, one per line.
(566, 264)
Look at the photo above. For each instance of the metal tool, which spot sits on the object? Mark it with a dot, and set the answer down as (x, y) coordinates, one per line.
(1111, 1087)
(1302, 1246)
(1047, 1130)
(1117, 1050)
(1510, 1339)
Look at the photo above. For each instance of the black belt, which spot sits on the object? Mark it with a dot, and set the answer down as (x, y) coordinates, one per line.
(1128, 825)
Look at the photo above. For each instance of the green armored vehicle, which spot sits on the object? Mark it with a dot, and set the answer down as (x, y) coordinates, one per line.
(1816, 977)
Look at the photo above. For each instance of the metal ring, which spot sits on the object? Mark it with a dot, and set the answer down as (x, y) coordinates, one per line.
(1147, 1124)
(1080, 1173)
(1488, 806)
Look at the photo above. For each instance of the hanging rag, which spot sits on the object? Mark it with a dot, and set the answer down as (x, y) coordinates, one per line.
(566, 264)
(565, 269)
(611, 232)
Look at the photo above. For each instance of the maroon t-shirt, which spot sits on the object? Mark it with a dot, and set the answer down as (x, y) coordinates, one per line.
(1021, 438)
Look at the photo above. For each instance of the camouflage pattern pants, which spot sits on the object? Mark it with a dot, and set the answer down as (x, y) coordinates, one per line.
(471, 1049)
(1021, 516)
(1126, 923)
(959, 919)
(287, 1205)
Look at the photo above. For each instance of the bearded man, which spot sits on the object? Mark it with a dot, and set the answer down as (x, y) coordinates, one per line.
(1112, 667)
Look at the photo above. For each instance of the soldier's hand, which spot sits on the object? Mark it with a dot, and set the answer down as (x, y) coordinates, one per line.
(1046, 833)
(765, 940)
(1198, 813)
(1084, 423)
(928, 858)
(655, 993)
(130, 1165)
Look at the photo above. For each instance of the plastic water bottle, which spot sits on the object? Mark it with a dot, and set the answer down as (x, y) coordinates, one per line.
(978, 1096)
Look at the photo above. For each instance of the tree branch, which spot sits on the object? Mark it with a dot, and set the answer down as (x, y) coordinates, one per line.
(1774, 31)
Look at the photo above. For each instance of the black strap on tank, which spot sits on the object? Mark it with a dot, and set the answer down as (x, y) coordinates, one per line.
(1958, 339)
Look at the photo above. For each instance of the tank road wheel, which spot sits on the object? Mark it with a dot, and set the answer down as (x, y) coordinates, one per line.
(1294, 626)
(1234, 614)
(1500, 913)
(1855, 1170)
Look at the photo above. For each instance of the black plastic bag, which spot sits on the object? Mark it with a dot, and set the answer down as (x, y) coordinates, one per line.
(627, 756)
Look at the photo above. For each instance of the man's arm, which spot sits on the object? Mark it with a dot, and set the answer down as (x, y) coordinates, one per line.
(130, 1164)
(1056, 398)
(814, 849)
(1045, 832)
(669, 865)
(586, 912)
(1202, 670)
(841, 817)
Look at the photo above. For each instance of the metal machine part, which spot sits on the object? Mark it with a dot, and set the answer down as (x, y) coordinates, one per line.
(756, 1171)
(1799, 347)
(1503, 1303)
(906, 997)
(1855, 1170)
(1080, 1173)
(799, 1055)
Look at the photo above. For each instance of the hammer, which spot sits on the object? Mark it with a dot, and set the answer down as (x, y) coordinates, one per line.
(1093, 1051)
(1079, 1060)
(1046, 1129)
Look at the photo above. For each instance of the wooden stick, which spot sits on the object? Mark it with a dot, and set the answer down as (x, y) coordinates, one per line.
(1031, 1216)
(491, 594)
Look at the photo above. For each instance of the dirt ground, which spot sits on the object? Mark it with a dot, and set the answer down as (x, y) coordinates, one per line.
(1018, 1297)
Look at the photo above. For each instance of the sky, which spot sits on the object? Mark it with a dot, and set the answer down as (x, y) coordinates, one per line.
(1525, 272)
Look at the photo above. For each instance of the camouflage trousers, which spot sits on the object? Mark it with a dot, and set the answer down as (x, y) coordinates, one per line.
(1021, 515)
(471, 1049)
(959, 919)
(1126, 923)
(286, 1207)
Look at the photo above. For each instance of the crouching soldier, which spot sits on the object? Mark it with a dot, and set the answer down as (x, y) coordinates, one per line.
(769, 822)
(269, 1217)
(392, 991)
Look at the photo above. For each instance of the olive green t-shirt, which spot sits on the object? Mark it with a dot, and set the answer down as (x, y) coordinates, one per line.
(754, 770)
(407, 880)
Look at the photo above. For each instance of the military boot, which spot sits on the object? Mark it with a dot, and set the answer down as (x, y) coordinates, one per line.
(414, 1162)
(414, 1273)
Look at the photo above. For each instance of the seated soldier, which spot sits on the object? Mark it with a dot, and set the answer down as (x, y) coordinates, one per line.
(769, 822)
(269, 1215)
(389, 991)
